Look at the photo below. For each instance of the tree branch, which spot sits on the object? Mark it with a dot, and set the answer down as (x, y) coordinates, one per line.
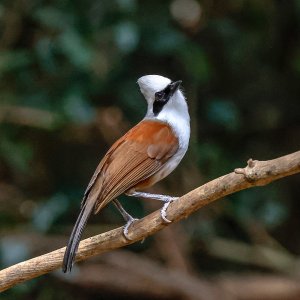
(256, 173)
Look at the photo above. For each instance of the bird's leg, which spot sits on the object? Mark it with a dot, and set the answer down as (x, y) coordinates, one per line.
(126, 216)
(164, 198)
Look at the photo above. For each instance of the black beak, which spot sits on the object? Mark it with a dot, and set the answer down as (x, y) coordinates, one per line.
(174, 86)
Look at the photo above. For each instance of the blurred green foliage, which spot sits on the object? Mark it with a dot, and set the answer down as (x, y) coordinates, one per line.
(68, 72)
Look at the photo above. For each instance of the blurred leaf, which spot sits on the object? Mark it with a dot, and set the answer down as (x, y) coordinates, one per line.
(76, 50)
(13, 60)
(196, 63)
(126, 36)
(210, 158)
(45, 52)
(263, 206)
(47, 212)
(131, 100)
(53, 17)
(16, 154)
(164, 40)
(76, 106)
(127, 5)
(227, 28)
(13, 251)
(223, 113)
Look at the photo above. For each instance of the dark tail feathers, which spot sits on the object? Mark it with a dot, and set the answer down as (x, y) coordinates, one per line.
(75, 237)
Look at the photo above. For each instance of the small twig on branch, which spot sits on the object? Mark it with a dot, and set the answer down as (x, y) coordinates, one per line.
(255, 174)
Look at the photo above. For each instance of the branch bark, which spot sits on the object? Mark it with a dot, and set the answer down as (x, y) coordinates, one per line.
(256, 173)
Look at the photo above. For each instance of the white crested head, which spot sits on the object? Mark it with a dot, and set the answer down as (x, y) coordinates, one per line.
(166, 102)
(150, 84)
(162, 95)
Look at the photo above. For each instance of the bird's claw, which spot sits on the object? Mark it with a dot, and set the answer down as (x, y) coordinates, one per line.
(126, 227)
(163, 211)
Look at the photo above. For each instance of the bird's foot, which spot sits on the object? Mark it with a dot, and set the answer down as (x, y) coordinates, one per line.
(126, 227)
(163, 211)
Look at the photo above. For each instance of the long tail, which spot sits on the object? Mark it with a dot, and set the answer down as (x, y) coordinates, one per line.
(75, 237)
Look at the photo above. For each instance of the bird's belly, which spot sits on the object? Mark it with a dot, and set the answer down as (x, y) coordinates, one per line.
(169, 167)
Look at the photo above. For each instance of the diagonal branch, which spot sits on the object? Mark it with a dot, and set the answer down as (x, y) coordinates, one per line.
(257, 173)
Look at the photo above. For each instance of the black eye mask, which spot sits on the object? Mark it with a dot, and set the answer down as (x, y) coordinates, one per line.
(162, 97)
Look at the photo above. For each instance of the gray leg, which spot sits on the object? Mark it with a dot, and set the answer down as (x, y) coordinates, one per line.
(127, 217)
(164, 198)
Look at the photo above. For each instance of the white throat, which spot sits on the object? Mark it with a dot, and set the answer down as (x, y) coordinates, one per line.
(175, 112)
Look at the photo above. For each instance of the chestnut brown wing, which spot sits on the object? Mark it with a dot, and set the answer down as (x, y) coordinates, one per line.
(133, 158)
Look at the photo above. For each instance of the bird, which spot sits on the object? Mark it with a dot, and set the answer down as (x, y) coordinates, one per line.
(146, 154)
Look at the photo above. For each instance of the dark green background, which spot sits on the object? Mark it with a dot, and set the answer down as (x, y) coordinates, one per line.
(68, 72)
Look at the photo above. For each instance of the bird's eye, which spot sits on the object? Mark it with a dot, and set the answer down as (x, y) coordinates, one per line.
(159, 95)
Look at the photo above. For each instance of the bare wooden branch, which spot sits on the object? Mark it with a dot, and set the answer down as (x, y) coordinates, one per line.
(257, 173)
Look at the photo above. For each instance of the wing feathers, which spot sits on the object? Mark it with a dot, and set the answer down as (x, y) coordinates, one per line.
(134, 158)
(135, 175)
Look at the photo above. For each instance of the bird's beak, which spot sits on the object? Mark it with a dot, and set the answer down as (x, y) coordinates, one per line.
(174, 86)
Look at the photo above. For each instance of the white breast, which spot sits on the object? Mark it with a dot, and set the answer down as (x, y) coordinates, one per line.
(175, 113)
